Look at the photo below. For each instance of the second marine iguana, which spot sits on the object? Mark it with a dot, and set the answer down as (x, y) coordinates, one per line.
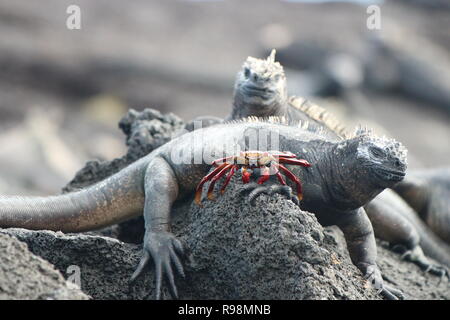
(427, 191)
(261, 90)
(344, 176)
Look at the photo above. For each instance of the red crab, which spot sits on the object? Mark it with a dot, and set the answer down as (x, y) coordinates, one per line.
(270, 162)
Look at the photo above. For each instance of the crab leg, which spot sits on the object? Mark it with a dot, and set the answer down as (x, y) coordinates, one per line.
(278, 174)
(215, 178)
(229, 176)
(291, 176)
(245, 175)
(265, 175)
(198, 191)
(224, 160)
(300, 162)
(283, 155)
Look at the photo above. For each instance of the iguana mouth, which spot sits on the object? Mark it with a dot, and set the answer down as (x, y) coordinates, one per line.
(391, 175)
(253, 90)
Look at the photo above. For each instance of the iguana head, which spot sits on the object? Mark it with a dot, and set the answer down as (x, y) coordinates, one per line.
(383, 158)
(260, 84)
(363, 166)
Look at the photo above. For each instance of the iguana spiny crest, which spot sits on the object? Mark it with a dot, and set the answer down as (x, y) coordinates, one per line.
(383, 146)
(263, 68)
(384, 158)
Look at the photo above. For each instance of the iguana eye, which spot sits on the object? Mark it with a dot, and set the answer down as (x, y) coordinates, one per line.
(247, 73)
(376, 152)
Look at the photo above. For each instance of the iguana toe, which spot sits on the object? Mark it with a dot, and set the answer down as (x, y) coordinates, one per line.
(246, 188)
(166, 251)
(286, 191)
(391, 293)
(140, 268)
(257, 192)
(254, 190)
(417, 256)
(373, 275)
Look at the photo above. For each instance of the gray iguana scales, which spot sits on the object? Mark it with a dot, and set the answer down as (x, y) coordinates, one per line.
(427, 191)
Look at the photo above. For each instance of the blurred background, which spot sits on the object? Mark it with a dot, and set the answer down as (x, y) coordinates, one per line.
(62, 91)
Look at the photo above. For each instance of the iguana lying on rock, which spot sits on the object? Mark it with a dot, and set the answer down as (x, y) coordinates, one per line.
(344, 176)
(261, 90)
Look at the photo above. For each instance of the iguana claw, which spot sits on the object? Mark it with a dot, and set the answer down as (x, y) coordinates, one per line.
(373, 275)
(254, 190)
(417, 256)
(390, 293)
(165, 250)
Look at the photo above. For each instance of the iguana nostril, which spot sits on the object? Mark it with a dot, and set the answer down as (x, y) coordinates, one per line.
(254, 77)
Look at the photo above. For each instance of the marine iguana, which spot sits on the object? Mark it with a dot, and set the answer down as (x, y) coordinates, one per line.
(261, 90)
(344, 176)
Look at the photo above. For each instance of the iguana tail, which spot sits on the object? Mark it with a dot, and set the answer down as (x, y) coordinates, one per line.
(115, 199)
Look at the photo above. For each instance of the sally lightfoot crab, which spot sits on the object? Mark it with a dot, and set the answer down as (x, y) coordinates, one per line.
(268, 162)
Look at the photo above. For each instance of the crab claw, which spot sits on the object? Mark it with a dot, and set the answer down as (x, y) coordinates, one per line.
(228, 179)
(291, 176)
(298, 162)
(224, 170)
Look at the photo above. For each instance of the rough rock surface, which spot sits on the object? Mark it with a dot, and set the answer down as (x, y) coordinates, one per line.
(272, 250)
(105, 264)
(236, 251)
(26, 276)
(145, 131)
(269, 251)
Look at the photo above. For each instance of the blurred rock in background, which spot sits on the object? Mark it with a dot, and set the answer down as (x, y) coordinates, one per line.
(62, 92)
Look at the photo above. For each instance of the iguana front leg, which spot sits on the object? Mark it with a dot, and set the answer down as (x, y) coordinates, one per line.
(361, 245)
(161, 190)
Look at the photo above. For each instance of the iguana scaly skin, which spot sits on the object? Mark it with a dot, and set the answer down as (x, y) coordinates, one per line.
(261, 90)
(345, 175)
(428, 192)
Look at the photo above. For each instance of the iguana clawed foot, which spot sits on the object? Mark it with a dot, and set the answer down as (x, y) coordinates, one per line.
(373, 275)
(417, 256)
(166, 250)
(267, 162)
(254, 190)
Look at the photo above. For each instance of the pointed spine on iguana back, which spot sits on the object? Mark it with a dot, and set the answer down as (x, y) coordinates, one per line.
(320, 115)
(390, 144)
(304, 125)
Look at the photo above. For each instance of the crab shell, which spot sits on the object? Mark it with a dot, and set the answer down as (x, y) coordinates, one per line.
(270, 162)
